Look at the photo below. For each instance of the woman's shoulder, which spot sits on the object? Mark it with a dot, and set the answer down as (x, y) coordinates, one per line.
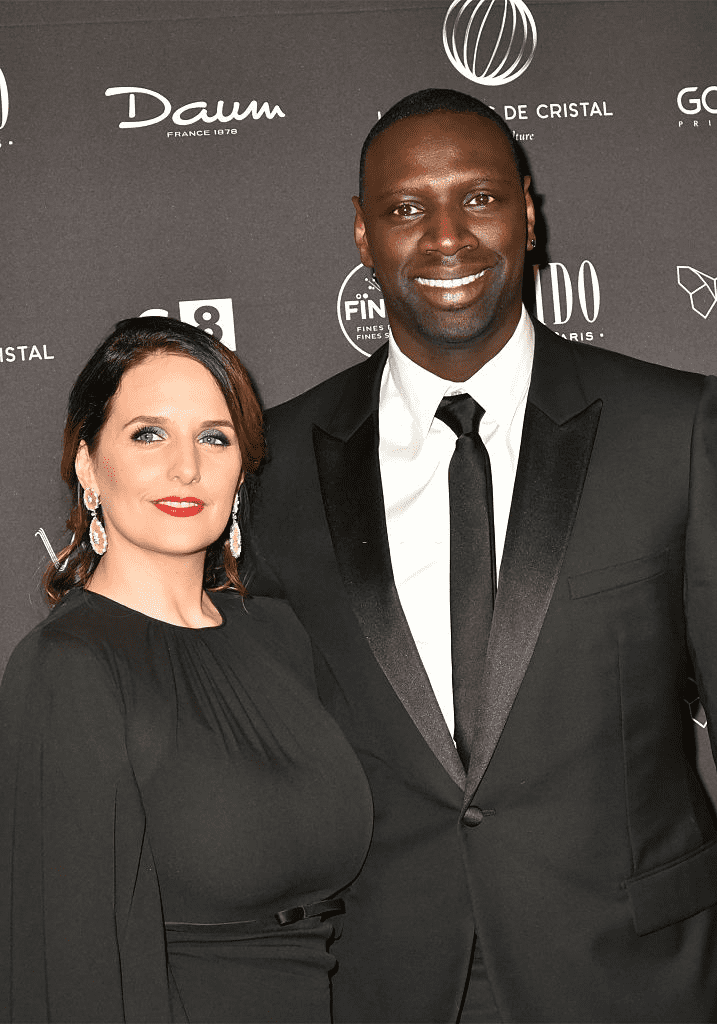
(72, 618)
(264, 621)
(69, 647)
(252, 612)
(61, 703)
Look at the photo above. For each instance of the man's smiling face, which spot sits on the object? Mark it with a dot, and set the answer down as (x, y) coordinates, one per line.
(444, 222)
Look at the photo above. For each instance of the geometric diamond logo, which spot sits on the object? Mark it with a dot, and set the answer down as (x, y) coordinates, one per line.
(697, 712)
(701, 288)
(692, 700)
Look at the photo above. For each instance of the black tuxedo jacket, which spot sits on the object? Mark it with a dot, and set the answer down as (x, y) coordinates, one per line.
(579, 848)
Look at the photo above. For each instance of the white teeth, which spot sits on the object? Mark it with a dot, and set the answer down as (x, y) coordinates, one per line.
(456, 282)
(180, 504)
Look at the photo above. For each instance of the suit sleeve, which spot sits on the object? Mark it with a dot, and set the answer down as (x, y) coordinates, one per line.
(82, 933)
(701, 555)
(260, 578)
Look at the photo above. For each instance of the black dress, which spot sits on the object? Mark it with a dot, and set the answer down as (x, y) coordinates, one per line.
(166, 792)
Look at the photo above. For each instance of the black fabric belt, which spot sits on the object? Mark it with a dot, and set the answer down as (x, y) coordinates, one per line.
(283, 917)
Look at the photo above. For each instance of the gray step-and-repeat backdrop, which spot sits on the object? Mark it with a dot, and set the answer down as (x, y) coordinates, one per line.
(197, 158)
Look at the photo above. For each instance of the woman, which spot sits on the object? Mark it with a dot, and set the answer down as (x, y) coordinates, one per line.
(178, 811)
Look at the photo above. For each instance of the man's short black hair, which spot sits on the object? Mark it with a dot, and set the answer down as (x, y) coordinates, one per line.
(426, 102)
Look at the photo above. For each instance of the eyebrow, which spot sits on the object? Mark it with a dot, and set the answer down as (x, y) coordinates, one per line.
(414, 188)
(161, 420)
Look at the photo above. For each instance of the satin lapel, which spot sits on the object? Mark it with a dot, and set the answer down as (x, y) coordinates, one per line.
(350, 480)
(558, 436)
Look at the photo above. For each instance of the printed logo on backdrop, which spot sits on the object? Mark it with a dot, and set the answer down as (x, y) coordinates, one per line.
(4, 100)
(18, 354)
(694, 703)
(698, 105)
(190, 119)
(361, 311)
(569, 298)
(4, 106)
(50, 550)
(489, 42)
(493, 42)
(701, 288)
(215, 316)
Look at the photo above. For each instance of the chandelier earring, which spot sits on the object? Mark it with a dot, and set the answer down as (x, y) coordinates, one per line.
(98, 536)
(234, 531)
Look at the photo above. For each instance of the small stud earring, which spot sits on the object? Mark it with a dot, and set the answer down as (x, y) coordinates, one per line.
(98, 535)
(533, 243)
(234, 531)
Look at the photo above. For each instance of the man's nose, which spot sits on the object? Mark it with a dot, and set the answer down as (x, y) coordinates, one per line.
(448, 230)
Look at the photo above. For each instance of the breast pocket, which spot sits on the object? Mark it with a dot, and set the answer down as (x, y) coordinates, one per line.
(613, 577)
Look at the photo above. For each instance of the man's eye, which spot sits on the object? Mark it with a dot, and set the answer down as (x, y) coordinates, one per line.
(406, 209)
(482, 199)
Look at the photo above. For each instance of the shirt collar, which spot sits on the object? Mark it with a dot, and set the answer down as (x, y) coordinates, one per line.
(499, 386)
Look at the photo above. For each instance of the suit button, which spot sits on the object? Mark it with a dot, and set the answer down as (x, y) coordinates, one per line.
(472, 817)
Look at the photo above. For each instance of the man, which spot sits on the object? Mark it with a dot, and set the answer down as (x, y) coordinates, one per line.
(542, 850)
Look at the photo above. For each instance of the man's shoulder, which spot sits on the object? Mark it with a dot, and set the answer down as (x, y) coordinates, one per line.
(609, 367)
(321, 400)
(320, 396)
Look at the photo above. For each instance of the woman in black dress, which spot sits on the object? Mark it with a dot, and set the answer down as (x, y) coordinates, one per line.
(178, 812)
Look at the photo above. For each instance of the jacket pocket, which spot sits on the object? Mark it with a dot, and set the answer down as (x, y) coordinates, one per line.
(614, 576)
(675, 891)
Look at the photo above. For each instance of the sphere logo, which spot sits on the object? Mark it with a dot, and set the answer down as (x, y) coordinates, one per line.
(490, 42)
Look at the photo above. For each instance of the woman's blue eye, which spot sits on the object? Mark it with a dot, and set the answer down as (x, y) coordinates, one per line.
(215, 437)
(147, 435)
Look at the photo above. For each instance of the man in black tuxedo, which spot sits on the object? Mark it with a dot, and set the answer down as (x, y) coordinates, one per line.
(503, 545)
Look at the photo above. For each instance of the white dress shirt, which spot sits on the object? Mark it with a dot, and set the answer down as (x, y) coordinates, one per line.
(414, 451)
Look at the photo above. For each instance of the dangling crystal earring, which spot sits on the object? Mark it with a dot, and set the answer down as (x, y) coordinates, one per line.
(234, 531)
(98, 537)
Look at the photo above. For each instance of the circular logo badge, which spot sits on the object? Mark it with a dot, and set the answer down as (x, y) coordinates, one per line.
(361, 311)
(490, 42)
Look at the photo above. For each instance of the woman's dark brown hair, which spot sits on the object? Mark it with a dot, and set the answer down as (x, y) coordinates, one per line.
(88, 408)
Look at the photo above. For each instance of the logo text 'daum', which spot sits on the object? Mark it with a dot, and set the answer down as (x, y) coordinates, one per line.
(189, 113)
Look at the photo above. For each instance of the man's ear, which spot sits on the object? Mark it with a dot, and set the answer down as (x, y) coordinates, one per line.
(360, 235)
(83, 468)
(529, 207)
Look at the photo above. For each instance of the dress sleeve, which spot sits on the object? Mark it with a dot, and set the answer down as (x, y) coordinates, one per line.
(82, 935)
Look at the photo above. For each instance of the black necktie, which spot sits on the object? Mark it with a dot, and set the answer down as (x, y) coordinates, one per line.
(472, 561)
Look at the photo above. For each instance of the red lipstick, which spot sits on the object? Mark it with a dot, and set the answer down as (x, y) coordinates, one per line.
(181, 507)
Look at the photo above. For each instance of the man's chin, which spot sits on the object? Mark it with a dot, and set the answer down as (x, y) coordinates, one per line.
(474, 327)
(463, 332)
